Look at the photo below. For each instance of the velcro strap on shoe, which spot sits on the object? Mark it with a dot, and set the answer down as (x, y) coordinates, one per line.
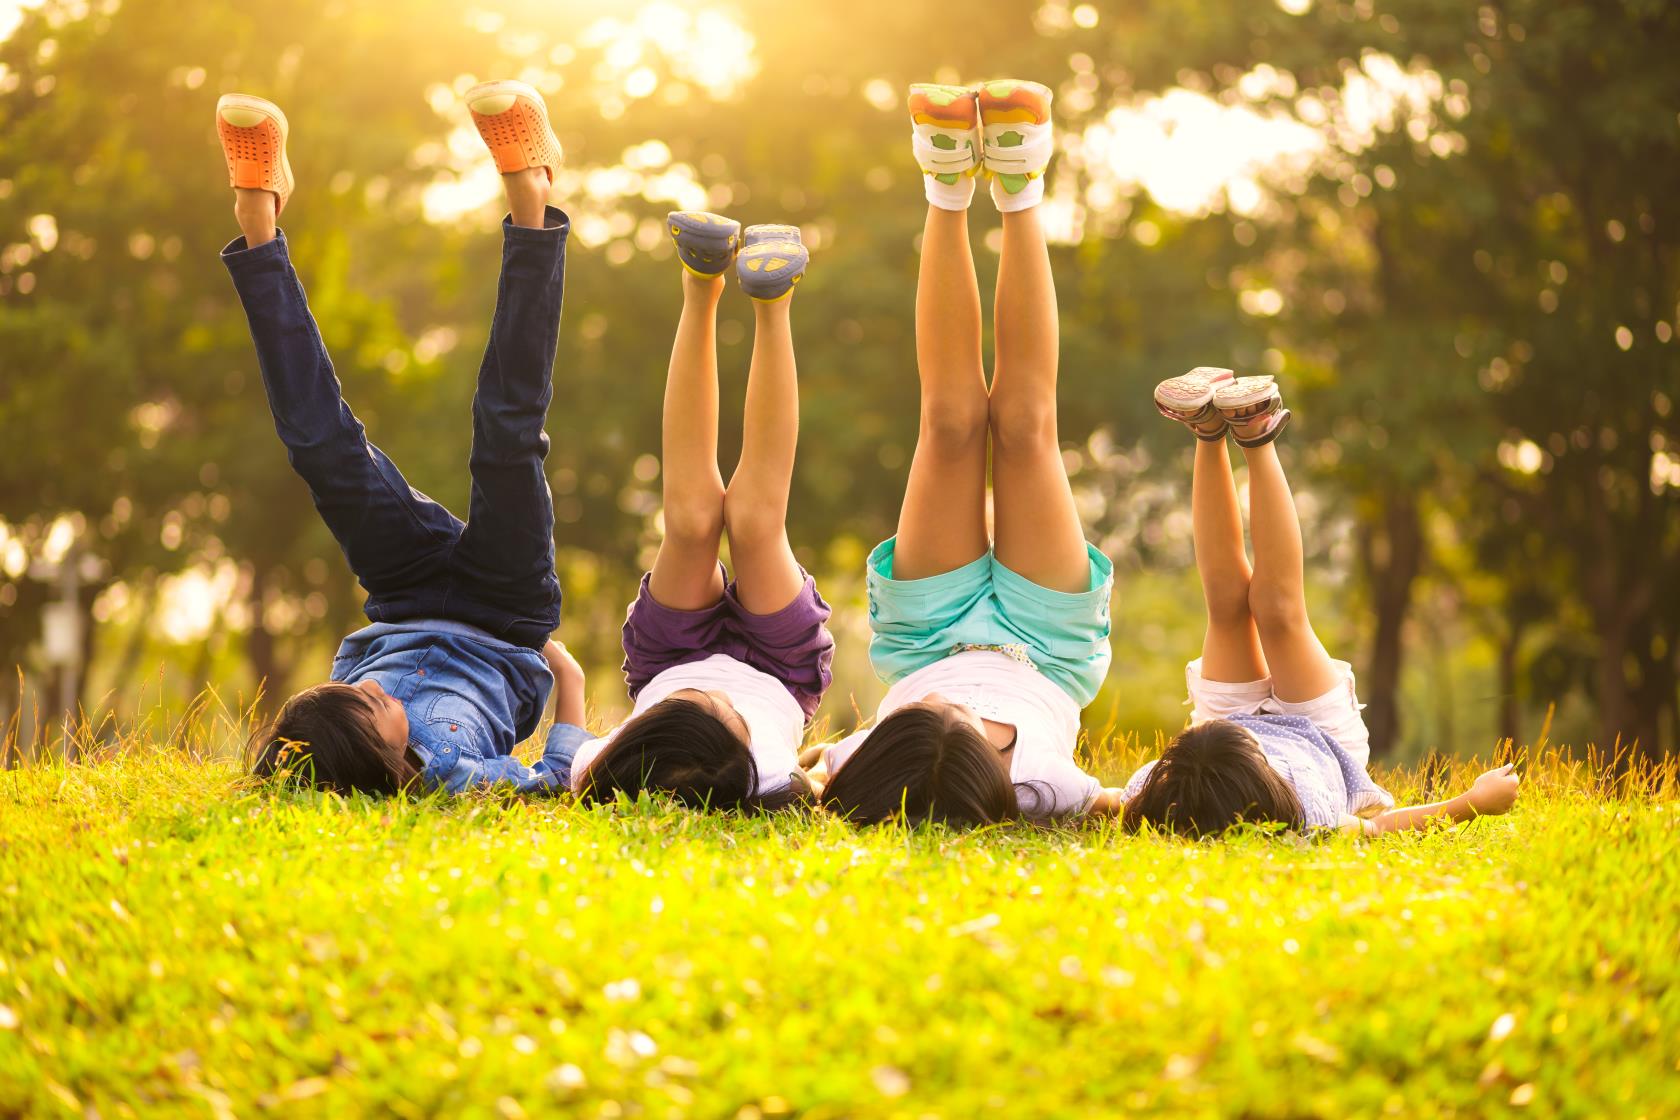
(510, 157)
(1030, 156)
(248, 173)
(942, 161)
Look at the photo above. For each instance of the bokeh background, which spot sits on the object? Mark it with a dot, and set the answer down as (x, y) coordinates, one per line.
(1451, 229)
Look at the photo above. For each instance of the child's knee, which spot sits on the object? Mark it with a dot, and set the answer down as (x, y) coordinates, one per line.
(1227, 599)
(954, 423)
(753, 519)
(1278, 610)
(1024, 425)
(695, 521)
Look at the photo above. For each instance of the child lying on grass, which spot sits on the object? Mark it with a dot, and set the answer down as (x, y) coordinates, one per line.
(992, 636)
(724, 674)
(458, 663)
(1276, 734)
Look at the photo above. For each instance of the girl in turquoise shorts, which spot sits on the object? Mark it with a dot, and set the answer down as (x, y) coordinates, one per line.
(992, 641)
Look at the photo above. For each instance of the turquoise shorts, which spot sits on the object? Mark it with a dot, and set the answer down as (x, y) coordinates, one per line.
(917, 622)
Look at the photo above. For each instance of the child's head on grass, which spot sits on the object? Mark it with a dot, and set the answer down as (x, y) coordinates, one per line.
(692, 745)
(340, 737)
(925, 762)
(1210, 777)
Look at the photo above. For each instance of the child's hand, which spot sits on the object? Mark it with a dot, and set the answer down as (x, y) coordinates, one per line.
(568, 683)
(1495, 791)
(561, 663)
(813, 761)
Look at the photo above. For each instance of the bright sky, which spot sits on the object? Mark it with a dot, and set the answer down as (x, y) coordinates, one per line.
(660, 50)
(11, 13)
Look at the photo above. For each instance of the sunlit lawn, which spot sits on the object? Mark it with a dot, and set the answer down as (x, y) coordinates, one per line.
(176, 941)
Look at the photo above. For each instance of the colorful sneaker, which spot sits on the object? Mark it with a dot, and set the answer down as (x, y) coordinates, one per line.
(945, 122)
(513, 120)
(1253, 408)
(772, 261)
(1017, 140)
(253, 134)
(706, 243)
(1188, 399)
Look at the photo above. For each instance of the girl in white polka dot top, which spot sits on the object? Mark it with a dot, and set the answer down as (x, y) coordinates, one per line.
(1275, 731)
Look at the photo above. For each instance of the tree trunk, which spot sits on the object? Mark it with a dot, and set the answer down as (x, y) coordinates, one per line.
(1510, 706)
(1653, 697)
(11, 717)
(64, 686)
(1620, 601)
(1391, 552)
(1624, 724)
(259, 646)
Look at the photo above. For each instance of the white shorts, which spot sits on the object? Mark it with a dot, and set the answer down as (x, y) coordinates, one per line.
(1336, 713)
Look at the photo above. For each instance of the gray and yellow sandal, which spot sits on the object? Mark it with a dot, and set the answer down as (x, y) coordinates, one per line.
(1253, 408)
(772, 261)
(706, 243)
(1188, 398)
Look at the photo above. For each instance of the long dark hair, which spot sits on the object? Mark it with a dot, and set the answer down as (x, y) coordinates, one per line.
(924, 764)
(680, 748)
(325, 737)
(1210, 777)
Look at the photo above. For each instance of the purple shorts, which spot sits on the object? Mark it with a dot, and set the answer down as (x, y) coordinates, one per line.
(793, 645)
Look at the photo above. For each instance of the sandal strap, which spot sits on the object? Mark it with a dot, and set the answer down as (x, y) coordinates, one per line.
(1257, 399)
(1205, 424)
(1276, 420)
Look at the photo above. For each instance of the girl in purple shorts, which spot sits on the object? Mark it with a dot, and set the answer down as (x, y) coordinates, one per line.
(724, 674)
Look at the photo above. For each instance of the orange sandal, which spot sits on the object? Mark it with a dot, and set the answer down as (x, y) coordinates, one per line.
(253, 134)
(513, 120)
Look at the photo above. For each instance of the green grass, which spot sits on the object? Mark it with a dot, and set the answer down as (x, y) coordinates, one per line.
(175, 940)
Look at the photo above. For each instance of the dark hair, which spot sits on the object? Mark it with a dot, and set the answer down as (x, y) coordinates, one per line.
(924, 764)
(679, 747)
(1210, 777)
(325, 737)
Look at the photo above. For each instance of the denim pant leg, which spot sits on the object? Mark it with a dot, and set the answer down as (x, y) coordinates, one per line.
(396, 539)
(504, 577)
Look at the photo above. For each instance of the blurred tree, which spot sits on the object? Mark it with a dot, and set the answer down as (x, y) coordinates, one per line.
(1479, 289)
(1433, 288)
(131, 401)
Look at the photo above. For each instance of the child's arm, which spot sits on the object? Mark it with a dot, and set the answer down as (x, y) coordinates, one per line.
(1109, 802)
(814, 761)
(569, 684)
(1489, 795)
(818, 761)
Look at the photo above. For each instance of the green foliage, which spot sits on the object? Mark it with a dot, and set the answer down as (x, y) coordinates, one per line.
(175, 940)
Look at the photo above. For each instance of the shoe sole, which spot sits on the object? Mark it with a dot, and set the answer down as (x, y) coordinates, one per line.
(1014, 101)
(943, 106)
(512, 119)
(1190, 393)
(253, 134)
(764, 267)
(759, 234)
(1242, 394)
(706, 242)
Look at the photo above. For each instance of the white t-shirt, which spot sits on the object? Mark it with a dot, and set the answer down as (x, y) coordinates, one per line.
(772, 715)
(999, 688)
